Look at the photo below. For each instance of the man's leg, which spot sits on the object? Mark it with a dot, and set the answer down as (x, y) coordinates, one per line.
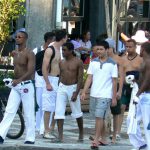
(52, 126)
(80, 126)
(28, 101)
(60, 123)
(115, 127)
(46, 121)
(121, 116)
(39, 91)
(98, 129)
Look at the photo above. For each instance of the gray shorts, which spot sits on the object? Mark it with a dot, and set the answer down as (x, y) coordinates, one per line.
(99, 107)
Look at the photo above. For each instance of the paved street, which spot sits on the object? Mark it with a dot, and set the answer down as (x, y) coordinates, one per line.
(70, 139)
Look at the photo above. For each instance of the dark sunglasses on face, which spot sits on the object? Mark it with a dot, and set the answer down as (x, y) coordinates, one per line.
(19, 37)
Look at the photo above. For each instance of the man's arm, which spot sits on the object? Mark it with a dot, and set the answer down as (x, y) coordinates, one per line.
(79, 81)
(80, 77)
(87, 85)
(121, 79)
(114, 88)
(145, 81)
(45, 67)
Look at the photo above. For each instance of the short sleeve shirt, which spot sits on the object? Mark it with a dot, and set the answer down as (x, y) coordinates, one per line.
(102, 73)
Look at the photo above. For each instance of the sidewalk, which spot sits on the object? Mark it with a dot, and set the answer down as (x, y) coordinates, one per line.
(70, 139)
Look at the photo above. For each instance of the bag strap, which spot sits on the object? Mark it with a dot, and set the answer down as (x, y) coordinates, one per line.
(53, 55)
(38, 49)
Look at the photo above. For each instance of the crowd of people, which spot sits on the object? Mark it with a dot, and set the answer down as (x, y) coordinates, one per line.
(61, 79)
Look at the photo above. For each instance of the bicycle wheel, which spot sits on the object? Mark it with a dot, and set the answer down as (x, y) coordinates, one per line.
(17, 127)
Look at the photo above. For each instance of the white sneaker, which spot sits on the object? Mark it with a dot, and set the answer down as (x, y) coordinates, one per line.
(48, 135)
(118, 137)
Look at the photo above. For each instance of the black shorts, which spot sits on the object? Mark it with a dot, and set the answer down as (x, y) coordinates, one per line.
(126, 94)
(116, 110)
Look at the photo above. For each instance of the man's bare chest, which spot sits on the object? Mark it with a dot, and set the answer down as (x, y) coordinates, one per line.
(71, 67)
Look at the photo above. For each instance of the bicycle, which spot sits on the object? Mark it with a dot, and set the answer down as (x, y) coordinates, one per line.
(17, 127)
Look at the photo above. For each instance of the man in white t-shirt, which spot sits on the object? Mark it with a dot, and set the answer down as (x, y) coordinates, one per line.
(102, 77)
(49, 37)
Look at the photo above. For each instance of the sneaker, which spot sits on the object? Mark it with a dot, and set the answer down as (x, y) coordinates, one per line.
(28, 142)
(143, 146)
(118, 137)
(48, 135)
(1, 140)
(54, 133)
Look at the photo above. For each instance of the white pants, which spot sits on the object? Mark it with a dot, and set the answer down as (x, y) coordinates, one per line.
(63, 95)
(25, 93)
(135, 139)
(49, 97)
(143, 113)
(39, 113)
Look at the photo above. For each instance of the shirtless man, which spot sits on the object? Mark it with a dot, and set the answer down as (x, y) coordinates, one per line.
(116, 111)
(51, 77)
(144, 90)
(71, 78)
(131, 65)
(22, 90)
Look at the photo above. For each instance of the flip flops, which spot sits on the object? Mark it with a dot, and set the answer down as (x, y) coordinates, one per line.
(91, 138)
(102, 144)
(94, 146)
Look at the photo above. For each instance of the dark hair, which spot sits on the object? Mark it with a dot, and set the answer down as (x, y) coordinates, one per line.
(25, 33)
(74, 36)
(48, 35)
(69, 46)
(101, 37)
(60, 34)
(132, 41)
(84, 34)
(104, 44)
(146, 47)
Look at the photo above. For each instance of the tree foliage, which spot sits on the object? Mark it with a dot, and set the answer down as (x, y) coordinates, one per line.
(9, 10)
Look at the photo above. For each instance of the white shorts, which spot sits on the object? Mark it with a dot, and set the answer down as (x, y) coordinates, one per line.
(63, 95)
(49, 97)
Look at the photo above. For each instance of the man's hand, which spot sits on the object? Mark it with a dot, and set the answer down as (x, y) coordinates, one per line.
(135, 100)
(114, 102)
(74, 96)
(15, 82)
(49, 87)
(119, 95)
(82, 96)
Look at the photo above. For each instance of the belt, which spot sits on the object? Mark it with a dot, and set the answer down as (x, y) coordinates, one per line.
(27, 82)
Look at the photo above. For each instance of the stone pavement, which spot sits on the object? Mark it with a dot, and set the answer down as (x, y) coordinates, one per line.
(70, 139)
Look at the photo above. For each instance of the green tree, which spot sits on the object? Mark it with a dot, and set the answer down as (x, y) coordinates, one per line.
(9, 10)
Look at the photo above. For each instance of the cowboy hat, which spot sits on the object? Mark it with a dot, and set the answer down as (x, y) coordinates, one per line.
(139, 37)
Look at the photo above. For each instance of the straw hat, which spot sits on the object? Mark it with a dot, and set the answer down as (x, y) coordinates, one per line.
(139, 36)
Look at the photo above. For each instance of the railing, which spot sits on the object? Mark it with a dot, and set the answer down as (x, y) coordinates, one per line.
(7, 67)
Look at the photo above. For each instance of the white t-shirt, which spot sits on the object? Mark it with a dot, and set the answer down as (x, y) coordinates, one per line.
(86, 44)
(102, 73)
(76, 44)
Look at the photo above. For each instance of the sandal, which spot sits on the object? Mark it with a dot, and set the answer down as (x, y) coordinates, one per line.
(80, 140)
(57, 141)
(94, 146)
(91, 138)
(102, 144)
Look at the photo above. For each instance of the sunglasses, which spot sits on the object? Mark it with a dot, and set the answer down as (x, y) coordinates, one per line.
(19, 37)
